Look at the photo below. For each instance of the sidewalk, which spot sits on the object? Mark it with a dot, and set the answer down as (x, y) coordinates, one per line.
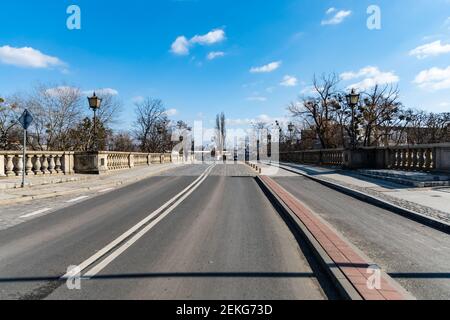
(48, 187)
(430, 202)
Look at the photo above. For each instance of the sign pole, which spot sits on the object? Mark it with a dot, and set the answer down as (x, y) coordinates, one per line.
(24, 156)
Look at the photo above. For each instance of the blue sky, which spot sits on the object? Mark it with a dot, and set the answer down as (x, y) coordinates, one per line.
(263, 54)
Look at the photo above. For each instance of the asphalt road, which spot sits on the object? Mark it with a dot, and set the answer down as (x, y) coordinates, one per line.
(219, 239)
(416, 256)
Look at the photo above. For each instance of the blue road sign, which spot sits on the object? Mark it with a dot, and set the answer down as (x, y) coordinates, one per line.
(26, 119)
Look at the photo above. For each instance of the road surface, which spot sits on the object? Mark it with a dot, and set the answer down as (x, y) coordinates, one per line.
(216, 236)
(416, 256)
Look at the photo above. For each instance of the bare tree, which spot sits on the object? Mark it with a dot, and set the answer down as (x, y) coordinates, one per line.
(56, 110)
(122, 141)
(381, 112)
(9, 131)
(152, 126)
(318, 110)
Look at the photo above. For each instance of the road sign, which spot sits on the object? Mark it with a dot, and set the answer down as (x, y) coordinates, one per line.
(26, 119)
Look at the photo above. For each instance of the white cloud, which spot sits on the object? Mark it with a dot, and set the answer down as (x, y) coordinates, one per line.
(266, 68)
(182, 45)
(102, 92)
(261, 118)
(289, 81)
(171, 112)
(338, 18)
(430, 49)
(257, 98)
(372, 77)
(212, 37)
(137, 99)
(434, 79)
(215, 54)
(308, 90)
(61, 90)
(27, 57)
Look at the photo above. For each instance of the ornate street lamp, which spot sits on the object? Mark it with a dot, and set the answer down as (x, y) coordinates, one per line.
(269, 145)
(353, 98)
(95, 103)
(291, 129)
(353, 101)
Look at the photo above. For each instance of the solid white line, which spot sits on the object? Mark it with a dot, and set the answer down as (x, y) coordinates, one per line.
(35, 213)
(128, 233)
(103, 264)
(77, 199)
(106, 190)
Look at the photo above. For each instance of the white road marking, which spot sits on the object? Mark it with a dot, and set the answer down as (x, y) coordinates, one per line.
(103, 264)
(35, 213)
(77, 199)
(128, 233)
(106, 190)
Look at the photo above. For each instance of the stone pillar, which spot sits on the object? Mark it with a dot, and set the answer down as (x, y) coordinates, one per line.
(51, 164)
(10, 165)
(29, 165)
(19, 165)
(2, 166)
(360, 159)
(58, 164)
(130, 161)
(44, 165)
(443, 158)
(91, 162)
(67, 163)
(37, 165)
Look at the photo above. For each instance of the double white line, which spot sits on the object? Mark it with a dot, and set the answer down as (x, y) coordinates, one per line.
(119, 245)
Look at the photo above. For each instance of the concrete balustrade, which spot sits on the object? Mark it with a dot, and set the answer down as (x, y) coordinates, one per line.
(36, 163)
(40, 163)
(433, 157)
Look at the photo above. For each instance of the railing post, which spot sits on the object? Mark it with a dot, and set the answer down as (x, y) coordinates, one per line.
(29, 165)
(130, 160)
(2, 165)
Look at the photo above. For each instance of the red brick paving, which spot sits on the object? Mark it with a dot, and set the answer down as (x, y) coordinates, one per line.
(352, 265)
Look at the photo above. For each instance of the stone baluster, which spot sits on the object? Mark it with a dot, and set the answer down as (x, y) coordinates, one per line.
(29, 165)
(2, 165)
(420, 159)
(433, 158)
(37, 165)
(10, 165)
(58, 164)
(44, 165)
(411, 159)
(428, 159)
(19, 165)
(51, 164)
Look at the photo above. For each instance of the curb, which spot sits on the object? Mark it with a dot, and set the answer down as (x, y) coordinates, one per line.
(412, 215)
(68, 192)
(343, 286)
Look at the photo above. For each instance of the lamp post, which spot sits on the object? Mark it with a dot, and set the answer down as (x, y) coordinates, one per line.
(291, 129)
(95, 103)
(352, 101)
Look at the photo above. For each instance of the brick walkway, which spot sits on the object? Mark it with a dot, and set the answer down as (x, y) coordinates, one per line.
(353, 266)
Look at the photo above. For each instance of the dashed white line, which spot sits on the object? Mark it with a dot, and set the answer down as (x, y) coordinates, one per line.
(77, 199)
(106, 190)
(35, 213)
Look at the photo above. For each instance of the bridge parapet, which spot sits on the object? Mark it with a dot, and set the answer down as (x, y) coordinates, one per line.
(431, 157)
(64, 162)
